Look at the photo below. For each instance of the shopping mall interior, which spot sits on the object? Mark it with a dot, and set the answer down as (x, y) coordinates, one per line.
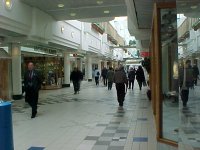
(162, 36)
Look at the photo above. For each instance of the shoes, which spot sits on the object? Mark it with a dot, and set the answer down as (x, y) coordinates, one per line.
(184, 105)
(33, 115)
(121, 105)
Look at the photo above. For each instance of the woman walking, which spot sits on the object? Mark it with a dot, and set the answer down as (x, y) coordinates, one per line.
(140, 76)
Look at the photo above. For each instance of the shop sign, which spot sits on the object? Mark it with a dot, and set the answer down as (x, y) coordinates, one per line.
(144, 54)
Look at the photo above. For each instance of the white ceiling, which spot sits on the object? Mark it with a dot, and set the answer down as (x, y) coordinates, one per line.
(83, 9)
(189, 8)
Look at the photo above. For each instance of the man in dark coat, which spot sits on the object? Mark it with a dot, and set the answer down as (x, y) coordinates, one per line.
(32, 84)
(140, 76)
(120, 80)
(186, 81)
(131, 78)
(195, 74)
(76, 77)
(104, 73)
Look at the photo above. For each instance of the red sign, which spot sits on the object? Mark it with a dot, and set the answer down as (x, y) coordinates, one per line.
(144, 54)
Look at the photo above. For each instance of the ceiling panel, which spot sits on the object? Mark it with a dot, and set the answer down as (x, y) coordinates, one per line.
(189, 8)
(82, 8)
(144, 11)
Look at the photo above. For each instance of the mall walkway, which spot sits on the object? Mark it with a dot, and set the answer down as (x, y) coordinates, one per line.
(90, 120)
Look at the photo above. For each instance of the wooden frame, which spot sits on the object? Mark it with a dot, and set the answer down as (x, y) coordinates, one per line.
(156, 70)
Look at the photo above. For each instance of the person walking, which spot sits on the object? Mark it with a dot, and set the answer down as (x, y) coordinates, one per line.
(110, 76)
(131, 77)
(186, 81)
(195, 74)
(96, 76)
(140, 76)
(76, 77)
(104, 76)
(32, 85)
(120, 80)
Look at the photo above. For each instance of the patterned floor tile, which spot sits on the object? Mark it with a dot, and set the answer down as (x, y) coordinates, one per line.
(95, 138)
(140, 139)
(36, 148)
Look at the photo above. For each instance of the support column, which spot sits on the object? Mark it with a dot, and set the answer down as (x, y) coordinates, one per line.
(89, 69)
(66, 70)
(99, 66)
(16, 71)
(79, 64)
(105, 64)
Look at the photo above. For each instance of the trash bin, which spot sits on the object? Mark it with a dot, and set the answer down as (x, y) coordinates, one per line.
(6, 128)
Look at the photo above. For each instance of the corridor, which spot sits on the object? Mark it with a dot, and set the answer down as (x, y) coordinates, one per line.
(90, 120)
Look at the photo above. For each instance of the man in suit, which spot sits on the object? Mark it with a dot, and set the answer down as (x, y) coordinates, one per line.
(32, 84)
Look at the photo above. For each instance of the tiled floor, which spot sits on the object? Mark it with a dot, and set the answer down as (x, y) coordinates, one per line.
(90, 120)
(190, 122)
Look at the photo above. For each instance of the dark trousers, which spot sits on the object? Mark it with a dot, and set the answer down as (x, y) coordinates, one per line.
(120, 93)
(105, 80)
(131, 84)
(32, 98)
(184, 96)
(195, 81)
(140, 85)
(76, 85)
(97, 80)
(110, 85)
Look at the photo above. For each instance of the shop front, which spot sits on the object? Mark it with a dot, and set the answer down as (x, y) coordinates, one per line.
(50, 68)
(164, 81)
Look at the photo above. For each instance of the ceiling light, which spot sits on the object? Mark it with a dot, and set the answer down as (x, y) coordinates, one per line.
(62, 29)
(61, 5)
(8, 4)
(194, 7)
(72, 14)
(106, 11)
(99, 2)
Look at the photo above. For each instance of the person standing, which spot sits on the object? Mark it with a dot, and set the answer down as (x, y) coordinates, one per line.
(120, 80)
(104, 76)
(32, 84)
(186, 81)
(140, 76)
(131, 77)
(110, 76)
(195, 74)
(76, 77)
(96, 76)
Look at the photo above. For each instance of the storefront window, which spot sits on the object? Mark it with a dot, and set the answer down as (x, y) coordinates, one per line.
(169, 74)
(189, 62)
(50, 68)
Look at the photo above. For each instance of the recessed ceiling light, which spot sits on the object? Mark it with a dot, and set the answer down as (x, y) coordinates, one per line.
(99, 2)
(72, 14)
(194, 7)
(106, 12)
(8, 4)
(61, 5)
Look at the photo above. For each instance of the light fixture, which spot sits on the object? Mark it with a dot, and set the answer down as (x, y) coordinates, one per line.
(72, 14)
(99, 2)
(194, 7)
(62, 29)
(61, 5)
(8, 4)
(106, 12)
